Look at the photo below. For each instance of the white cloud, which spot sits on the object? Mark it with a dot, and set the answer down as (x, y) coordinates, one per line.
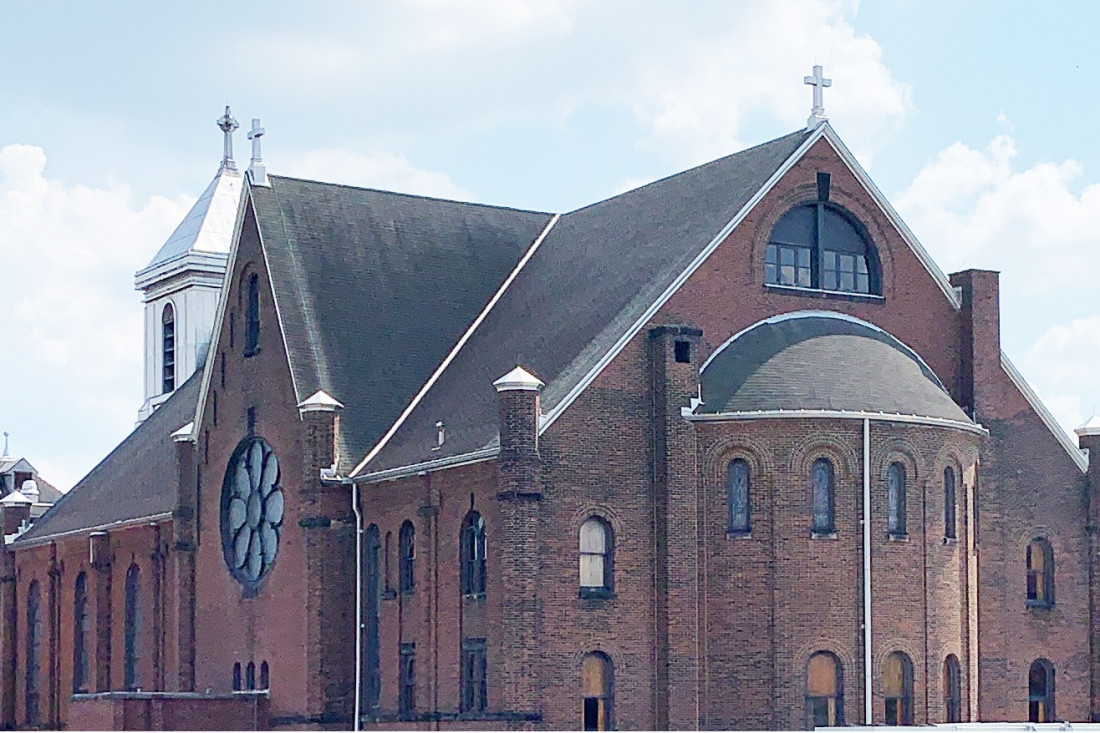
(381, 170)
(71, 320)
(1064, 361)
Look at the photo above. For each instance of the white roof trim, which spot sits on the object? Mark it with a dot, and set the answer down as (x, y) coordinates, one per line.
(320, 401)
(518, 379)
(184, 433)
(151, 519)
(458, 347)
(938, 422)
(415, 469)
(1048, 419)
(1089, 427)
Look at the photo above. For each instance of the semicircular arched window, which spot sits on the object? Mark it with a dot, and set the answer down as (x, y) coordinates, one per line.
(818, 246)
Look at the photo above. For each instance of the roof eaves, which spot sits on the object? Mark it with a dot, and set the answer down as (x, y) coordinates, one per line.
(671, 290)
(43, 539)
(1044, 414)
(892, 214)
(458, 346)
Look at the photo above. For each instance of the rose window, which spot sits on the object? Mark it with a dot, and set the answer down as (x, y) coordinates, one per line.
(251, 511)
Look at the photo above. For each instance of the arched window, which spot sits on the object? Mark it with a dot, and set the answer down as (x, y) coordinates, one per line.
(895, 500)
(819, 246)
(372, 602)
(265, 676)
(407, 543)
(252, 316)
(824, 693)
(952, 690)
(34, 638)
(1040, 573)
(80, 633)
(168, 348)
(1040, 692)
(386, 550)
(595, 557)
(132, 629)
(473, 555)
(250, 676)
(737, 487)
(821, 479)
(897, 689)
(949, 503)
(597, 688)
(236, 677)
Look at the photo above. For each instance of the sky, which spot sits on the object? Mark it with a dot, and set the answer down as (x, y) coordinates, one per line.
(970, 117)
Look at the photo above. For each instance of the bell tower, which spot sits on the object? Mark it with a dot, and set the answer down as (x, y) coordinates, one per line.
(180, 286)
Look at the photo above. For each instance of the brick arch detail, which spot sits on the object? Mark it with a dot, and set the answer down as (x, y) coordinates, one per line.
(824, 644)
(888, 646)
(900, 450)
(595, 644)
(818, 445)
(717, 456)
(600, 511)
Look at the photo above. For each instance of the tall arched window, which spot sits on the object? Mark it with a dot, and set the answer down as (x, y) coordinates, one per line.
(252, 316)
(819, 246)
(1040, 692)
(595, 557)
(473, 555)
(952, 689)
(737, 488)
(250, 676)
(1040, 573)
(372, 602)
(80, 633)
(407, 546)
(824, 693)
(597, 688)
(895, 499)
(949, 503)
(34, 638)
(132, 631)
(237, 677)
(821, 480)
(168, 348)
(386, 552)
(897, 689)
(265, 676)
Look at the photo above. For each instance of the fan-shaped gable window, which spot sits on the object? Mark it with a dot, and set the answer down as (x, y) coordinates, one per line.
(819, 246)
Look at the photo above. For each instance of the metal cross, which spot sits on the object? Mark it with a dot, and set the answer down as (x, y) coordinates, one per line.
(818, 82)
(6, 434)
(254, 135)
(227, 125)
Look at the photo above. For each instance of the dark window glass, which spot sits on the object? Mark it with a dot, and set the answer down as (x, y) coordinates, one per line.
(952, 689)
(821, 478)
(1040, 573)
(474, 691)
(407, 543)
(1040, 692)
(817, 246)
(473, 555)
(949, 503)
(407, 690)
(386, 562)
(250, 676)
(236, 677)
(168, 348)
(265, 676)
(597, 692)
(737, 486)
(131, 661)
(895, 496)
(372, 596)
(824, 693)
(897, 689)
(34, 640)
(80, 633)
(252, 317)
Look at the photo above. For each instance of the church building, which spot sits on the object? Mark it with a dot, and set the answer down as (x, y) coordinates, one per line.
(726, 451)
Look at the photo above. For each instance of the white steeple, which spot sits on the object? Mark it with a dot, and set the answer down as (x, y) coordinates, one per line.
(181, 284)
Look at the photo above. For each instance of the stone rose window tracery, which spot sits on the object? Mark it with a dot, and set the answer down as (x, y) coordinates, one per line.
(251, 511)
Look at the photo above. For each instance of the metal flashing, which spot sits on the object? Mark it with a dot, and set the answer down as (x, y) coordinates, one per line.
(939, 422)
(415, 469)
(46, 539)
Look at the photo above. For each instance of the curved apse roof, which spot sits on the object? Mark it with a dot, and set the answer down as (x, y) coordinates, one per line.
(815, 360)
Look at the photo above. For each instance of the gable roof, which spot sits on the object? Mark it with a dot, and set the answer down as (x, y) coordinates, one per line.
(598, 271)
(136, 481)
(374, 288)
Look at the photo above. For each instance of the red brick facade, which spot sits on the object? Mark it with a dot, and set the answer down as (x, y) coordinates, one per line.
(703, 627)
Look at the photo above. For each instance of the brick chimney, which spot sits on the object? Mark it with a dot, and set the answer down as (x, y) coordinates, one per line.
(520, 495)
(980, 337)
(15, 508)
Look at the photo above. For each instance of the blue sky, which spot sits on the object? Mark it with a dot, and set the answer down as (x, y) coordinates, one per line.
(971, 117)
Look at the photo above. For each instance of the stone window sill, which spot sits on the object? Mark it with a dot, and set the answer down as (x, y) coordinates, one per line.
(824, 294)
(950, 541)
(739, 534)
(597, 593)
(1036, 605)
(897, 537)
(823, 535)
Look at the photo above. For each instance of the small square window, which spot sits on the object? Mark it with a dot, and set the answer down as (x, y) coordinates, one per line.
(683, 352)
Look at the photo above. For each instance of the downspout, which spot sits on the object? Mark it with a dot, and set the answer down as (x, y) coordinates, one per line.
(866, 571)
(358, 604)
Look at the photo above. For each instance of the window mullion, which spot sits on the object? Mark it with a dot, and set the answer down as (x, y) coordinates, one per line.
(818, 252)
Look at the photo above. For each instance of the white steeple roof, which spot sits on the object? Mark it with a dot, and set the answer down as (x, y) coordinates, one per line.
(208, 227)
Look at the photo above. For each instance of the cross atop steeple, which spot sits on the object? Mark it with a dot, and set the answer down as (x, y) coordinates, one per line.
(818, 82)
(256, 167)
(5, 454)
(227, 125)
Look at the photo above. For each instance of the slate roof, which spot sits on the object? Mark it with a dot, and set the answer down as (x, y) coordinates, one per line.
(137, 479)
(592, 278)
(818, 362)
(375, 288)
